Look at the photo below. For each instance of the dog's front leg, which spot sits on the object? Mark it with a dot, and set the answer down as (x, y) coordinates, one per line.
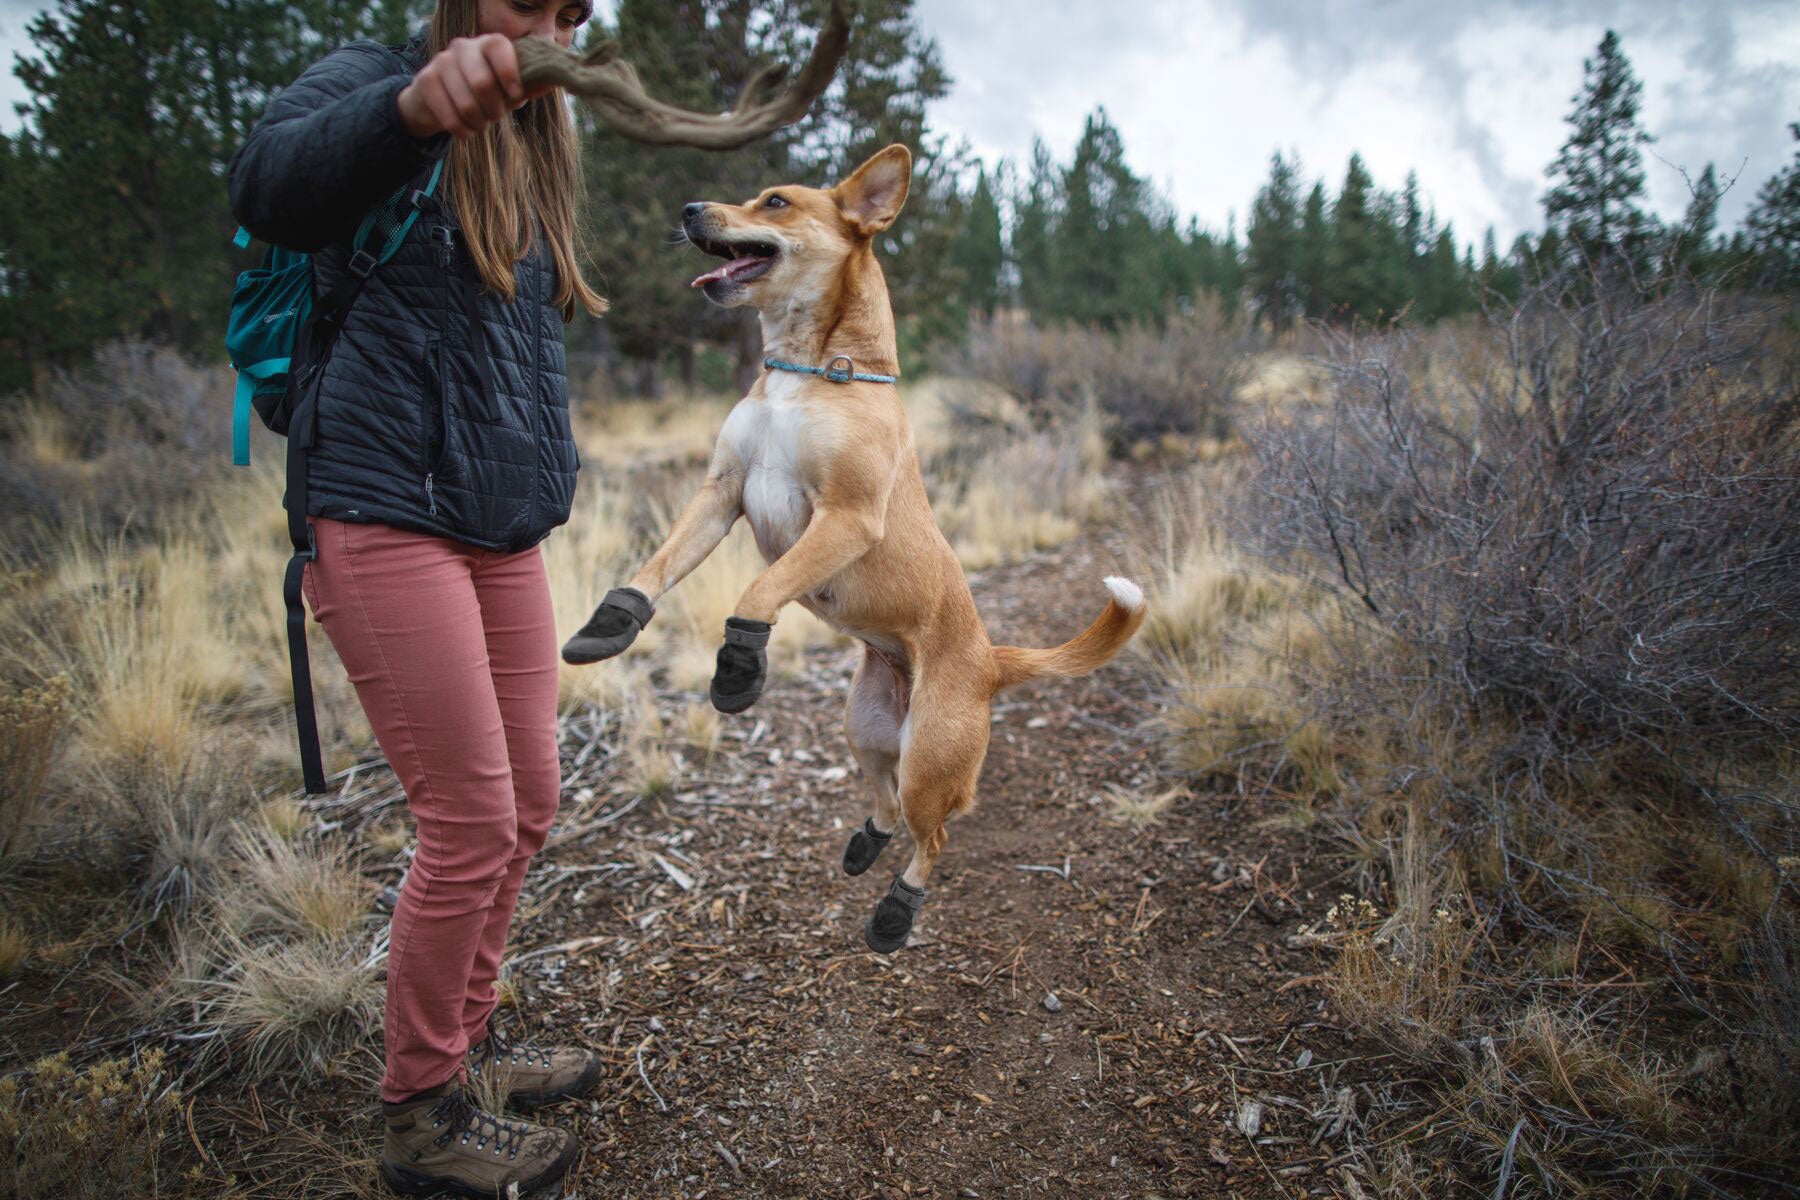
(697, 532)
(833, 540)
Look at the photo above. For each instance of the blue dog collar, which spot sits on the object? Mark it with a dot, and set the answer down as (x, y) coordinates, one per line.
(830, 370)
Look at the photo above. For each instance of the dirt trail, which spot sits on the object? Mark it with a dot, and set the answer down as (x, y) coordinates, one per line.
(758, 1049)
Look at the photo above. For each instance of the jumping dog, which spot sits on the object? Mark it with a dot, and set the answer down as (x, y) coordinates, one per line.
(820, 458)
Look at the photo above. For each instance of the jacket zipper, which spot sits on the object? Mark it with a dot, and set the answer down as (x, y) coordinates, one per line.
(441, 236)
(536, 403)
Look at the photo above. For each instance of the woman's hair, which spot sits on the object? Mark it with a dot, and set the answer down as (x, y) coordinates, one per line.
(513, 168)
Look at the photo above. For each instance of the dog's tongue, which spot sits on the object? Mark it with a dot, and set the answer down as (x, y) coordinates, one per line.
(735, 267)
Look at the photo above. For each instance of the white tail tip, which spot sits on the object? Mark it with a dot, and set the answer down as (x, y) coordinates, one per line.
(1128, 594)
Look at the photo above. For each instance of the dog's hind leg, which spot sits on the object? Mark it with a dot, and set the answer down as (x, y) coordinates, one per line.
(943, 743)
(872, 717)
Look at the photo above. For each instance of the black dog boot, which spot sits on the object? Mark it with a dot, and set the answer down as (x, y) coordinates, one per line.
(893, 919)
(866, 845)
(742, 666)
(623, 612)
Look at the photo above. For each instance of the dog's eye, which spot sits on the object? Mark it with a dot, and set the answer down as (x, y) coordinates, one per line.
(775, 202)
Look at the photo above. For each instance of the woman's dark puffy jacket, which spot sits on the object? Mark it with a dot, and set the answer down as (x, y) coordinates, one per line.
(406, 436)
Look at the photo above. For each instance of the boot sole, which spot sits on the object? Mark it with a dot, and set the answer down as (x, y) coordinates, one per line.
(407, 1182)
(584, 1083)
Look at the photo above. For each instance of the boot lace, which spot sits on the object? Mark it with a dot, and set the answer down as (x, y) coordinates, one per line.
(456, 1114)
(495, 1047)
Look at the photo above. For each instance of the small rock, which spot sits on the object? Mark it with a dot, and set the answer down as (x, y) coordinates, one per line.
(1304, 1061)
(1249, 1118)
(1051, 1002)
(656, 1025)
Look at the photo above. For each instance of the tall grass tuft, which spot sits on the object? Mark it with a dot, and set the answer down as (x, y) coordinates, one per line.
(33, 727)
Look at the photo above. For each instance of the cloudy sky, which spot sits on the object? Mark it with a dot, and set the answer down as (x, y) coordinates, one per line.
(1471, 96)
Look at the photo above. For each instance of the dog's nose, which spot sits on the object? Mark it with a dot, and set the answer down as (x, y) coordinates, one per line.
(692, 211)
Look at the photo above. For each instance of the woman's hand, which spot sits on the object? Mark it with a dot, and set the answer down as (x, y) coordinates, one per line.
(467, 86)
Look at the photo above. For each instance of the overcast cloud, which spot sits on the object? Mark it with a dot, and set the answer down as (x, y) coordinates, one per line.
(1472, 97)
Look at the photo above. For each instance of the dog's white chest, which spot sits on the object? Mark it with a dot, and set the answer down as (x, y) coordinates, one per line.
(764, 435)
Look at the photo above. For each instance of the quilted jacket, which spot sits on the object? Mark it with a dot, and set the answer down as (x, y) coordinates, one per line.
(406, 434)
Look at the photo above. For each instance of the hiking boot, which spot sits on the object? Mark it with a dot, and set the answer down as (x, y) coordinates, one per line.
(532, 1076)
(439, 1143)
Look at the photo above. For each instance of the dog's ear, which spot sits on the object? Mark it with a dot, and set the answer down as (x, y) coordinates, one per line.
(872, 196)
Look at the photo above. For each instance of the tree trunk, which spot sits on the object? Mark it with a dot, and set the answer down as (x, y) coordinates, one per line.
(649, 379)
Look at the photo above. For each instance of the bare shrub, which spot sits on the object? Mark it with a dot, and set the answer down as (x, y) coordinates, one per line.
(1177, 378)
(1591, 546)
(86, 1135)
(118, 441)
(1559, 684)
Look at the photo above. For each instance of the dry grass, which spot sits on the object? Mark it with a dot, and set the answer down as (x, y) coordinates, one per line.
(650, 767)
(1238, 643)
(675, 431)
(33, 726)
(1021, 493)
(290, 1006)
(701, 727)
(1403, 976)
(584, 558)
(283, 817)
(295, 889)
(1143, 810)
(15, 946)
(180, 819)
(39, 434)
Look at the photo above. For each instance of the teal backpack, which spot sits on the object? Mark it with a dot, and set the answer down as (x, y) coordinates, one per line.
(274, 322)
(271, 306)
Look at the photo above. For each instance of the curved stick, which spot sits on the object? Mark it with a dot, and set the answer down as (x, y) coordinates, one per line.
(611, 86)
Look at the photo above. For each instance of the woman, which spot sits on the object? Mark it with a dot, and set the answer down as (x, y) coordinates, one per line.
(443, 456)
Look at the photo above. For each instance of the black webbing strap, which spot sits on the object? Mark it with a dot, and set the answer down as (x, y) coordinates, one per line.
(302, 535)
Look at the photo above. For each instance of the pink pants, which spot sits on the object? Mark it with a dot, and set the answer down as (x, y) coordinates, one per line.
(453, 653)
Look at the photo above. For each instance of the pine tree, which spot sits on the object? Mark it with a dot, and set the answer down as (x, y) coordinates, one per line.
(1599, 175)
(1313, 255)
(1037, 209)
(1772, 230)
(1272, 259)
(1104, 246)
(112, 215)
(978, 253)
(1355, 265)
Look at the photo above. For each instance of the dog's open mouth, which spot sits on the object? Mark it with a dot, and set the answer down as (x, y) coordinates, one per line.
(746, 261)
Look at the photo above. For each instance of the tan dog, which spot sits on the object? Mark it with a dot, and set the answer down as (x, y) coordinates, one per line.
(828, 475)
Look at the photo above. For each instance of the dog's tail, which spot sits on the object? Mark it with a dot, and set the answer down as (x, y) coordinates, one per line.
(1086, 651)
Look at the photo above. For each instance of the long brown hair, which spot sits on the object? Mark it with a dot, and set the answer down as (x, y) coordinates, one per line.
(497, 179)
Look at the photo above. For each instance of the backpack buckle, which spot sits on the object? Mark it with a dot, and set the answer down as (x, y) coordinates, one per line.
(362, 262)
